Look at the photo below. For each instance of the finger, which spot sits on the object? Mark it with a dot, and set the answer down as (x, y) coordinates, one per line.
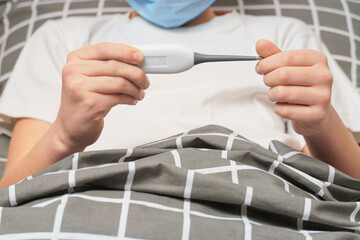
(114, 85)
(304, 57)
(114, 68)
(111, 100)
(299, 76)
(107, 51)
(265, 48)
(299, 95)
(299, 113)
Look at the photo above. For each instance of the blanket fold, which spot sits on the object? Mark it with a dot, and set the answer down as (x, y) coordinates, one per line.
(207, 183)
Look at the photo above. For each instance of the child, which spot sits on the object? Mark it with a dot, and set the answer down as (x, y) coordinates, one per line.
(82, 81)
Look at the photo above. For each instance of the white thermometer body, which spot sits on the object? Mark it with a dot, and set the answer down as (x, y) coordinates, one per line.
(173, 58)
(166, 58)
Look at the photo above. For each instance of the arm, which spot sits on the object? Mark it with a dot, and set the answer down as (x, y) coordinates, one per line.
(94, 79)
(300, 85)
(32, 148)
(336, 146)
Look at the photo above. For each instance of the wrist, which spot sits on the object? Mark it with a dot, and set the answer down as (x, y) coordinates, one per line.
(326, 125)
(327, 133)
(61, 144)
(319, 126)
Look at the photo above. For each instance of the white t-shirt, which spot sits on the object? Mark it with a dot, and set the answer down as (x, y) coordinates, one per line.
(229, 94)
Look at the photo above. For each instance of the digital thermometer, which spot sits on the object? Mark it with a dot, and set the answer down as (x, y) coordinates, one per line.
(172, 58)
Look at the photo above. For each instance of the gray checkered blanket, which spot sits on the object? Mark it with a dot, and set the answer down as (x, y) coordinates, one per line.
(209, 183)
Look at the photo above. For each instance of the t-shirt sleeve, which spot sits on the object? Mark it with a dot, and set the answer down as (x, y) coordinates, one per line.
(34, 88)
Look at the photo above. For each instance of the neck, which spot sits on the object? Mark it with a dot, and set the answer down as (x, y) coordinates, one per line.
(206, 16)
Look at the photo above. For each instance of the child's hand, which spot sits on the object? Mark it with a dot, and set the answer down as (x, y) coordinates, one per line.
(95, 79)
(300, 83)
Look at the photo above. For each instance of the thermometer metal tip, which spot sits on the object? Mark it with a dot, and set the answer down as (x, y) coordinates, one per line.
(202, 58)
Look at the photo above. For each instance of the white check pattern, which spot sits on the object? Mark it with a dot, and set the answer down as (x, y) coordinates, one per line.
(190, 199)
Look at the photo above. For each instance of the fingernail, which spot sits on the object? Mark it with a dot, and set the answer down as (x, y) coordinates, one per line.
(138, 56)
(135, 102)
(142, 95)
(257, 68)
(147, 82)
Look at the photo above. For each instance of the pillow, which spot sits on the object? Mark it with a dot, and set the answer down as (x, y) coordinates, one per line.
(336, 22)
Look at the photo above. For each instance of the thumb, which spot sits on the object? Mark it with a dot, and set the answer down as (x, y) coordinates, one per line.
(265, 48)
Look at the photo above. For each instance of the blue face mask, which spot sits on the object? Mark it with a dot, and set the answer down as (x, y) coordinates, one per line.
(170, 13)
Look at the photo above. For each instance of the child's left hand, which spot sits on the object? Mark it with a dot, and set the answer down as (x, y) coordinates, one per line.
(300, 82)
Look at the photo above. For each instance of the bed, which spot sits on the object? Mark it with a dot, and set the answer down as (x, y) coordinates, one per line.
(208, 183)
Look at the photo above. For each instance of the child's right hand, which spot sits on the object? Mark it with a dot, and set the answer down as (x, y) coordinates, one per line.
(95, 79)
